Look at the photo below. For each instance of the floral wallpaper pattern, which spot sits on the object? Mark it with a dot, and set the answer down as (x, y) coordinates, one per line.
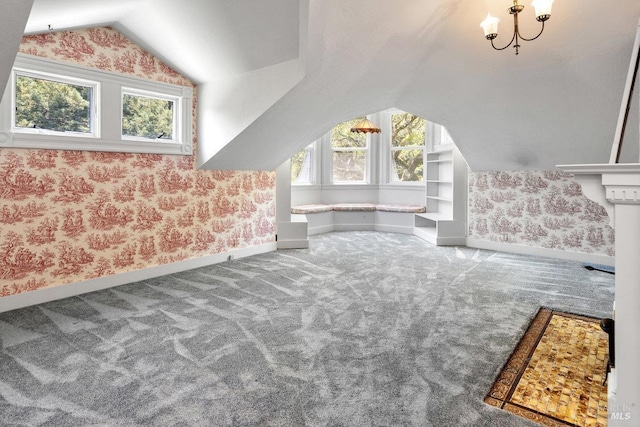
(543, 209)
(67, 216)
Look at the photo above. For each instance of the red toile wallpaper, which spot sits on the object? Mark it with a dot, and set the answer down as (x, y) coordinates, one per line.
(542, 209)
(67, 216)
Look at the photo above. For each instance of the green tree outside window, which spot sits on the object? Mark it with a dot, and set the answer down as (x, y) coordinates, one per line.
(407, 146)
(349, 153)
(147, 117)
(51, 105)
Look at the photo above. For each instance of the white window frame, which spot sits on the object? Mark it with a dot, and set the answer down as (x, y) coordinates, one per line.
(143, 93)
(367, 165)
(315, 164)
(108, 121)
(390, 169)
(94, 107)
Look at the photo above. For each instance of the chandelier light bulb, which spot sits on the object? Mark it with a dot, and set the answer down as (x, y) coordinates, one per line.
(490, 26)
(543, 9)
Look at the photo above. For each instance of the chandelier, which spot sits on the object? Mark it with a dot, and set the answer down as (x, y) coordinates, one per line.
(490, 24)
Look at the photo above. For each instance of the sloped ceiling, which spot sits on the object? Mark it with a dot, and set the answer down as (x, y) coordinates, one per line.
(275, 75)
(11, 28)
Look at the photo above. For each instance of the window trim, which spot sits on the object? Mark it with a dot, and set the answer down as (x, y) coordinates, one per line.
(390, 169)
(315, 162)
(57, 78)
(379, 164)
(367, 159)
(177, 107)
(109, 112)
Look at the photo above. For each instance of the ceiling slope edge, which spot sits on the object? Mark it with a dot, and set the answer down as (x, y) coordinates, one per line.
(12, 25)
(229, 106)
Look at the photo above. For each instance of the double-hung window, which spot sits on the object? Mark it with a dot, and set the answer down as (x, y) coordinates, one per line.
(407, 147)
(54, 105)
(349, 154)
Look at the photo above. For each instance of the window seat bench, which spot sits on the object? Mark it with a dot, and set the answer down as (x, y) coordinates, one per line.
(323, 218)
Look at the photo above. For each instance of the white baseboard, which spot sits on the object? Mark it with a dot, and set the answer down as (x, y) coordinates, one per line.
(40, 296)
(320, 229)
(394, 228)
(353, 227)
(537, 251)
(293, 234)
(360, 227)
(293, 244)
(451, 241)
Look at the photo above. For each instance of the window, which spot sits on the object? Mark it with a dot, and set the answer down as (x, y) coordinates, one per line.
(445, 138)
(349, 153)
(148, 116)
(46, 103)
(407, 147)
(54, 105)
(302, 170)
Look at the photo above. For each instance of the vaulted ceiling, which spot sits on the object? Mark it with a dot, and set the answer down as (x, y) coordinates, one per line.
(275, 75)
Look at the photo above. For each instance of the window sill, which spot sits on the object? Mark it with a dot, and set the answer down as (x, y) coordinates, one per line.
(306, 187)
(349, 186)
(416, 186)
(79, 143)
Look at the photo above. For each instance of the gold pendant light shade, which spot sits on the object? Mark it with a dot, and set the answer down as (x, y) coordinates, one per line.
(365, 126)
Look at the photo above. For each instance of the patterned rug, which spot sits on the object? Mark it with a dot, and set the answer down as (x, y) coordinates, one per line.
(555, 375)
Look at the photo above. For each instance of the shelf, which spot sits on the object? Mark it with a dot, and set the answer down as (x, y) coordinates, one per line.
(445, 181)
(443, 199)
(435, 216)
(430, 234)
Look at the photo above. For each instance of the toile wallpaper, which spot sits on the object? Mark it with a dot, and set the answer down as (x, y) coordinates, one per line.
(543, 209)
(68, 216)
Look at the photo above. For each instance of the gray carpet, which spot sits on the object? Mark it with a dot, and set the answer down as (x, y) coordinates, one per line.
(362, 329)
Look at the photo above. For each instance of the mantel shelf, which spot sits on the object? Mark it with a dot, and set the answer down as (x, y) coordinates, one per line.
(599, 168)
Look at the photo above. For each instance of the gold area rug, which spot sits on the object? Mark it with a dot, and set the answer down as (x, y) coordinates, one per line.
(554, 377)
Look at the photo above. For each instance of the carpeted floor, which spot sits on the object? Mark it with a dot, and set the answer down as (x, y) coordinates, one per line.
(362, 329)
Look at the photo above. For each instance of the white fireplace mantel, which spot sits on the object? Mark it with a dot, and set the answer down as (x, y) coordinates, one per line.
(616, 186)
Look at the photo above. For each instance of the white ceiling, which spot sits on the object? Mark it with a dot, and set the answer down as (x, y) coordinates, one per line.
(206, 40)
(274, 75)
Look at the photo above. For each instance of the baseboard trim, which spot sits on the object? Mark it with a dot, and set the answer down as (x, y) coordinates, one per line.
(537, 251)
(354, 227)
(394, 228)
(320, 229)
(451, 241)
(293, 244)
(41, 296)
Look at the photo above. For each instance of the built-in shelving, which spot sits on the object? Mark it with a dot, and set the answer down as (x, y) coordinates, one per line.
(444, 223)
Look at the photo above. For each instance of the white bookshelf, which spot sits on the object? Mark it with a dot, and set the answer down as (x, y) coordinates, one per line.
(445, 222)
